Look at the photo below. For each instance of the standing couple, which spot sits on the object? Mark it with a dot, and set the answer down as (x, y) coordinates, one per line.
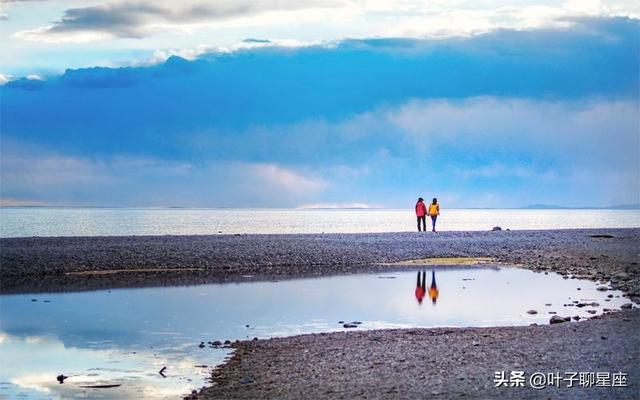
(421, 212)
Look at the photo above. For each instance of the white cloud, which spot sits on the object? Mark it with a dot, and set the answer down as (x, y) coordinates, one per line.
(191, 53)
(278, 177)
(586, 130)
(33, 178)
(4, 78)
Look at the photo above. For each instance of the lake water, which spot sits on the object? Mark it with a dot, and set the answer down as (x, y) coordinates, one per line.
(37, 221)
(126, 336)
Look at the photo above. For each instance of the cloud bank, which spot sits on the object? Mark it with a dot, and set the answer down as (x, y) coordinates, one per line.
(502, 119)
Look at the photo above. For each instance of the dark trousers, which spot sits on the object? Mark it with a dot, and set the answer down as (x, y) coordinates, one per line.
(424, 223)
(433, 222)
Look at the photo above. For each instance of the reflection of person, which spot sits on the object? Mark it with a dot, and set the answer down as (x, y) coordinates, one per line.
(421, 287)
(434, 211)
(421, 212)
(433, 290)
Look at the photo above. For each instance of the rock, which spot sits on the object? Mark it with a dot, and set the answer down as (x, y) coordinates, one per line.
(626, 305)
(591, 311)
(496, 228)
(567, 319)
(594, 304)
(577, 317)
(227, 342)
(349, 326)
(609, 295)
(602, 288)
(532, 312)
(548, 304)
(201, 345)
(556, 320)
(552, 312)
(603, 337)
(216, 343)
(61, 378)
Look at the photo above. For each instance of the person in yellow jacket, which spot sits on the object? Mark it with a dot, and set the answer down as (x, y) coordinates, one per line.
(433, 290)
(434, 211)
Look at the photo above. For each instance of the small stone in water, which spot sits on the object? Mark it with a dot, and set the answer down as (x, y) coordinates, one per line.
(626, 305)
(532, 312)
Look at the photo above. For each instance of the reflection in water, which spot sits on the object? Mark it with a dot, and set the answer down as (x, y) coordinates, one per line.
(33, 363)
(433, 290)
(421, 287)
(127, 336)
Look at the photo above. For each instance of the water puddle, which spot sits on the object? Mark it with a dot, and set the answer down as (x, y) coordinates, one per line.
(125, 337)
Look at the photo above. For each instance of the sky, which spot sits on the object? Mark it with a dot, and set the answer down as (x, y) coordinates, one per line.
(285, 103)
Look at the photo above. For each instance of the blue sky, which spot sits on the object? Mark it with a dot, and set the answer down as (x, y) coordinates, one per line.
(289, 104)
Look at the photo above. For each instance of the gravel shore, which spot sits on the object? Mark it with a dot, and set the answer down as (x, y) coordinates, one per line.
(437, 363)
(443, 363)
(86, 263)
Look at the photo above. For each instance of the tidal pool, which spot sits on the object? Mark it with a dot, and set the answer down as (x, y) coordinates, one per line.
(126, 336)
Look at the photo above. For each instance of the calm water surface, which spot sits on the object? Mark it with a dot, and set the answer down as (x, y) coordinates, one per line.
(36, 221)
(126, 336)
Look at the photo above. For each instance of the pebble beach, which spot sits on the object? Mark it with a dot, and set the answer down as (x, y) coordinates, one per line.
(439, 363)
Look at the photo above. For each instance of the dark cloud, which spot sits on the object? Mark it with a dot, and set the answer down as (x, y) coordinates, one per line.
(137, 19)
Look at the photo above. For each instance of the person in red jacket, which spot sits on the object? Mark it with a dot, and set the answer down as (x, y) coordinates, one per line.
(421, 287)
(421, 214)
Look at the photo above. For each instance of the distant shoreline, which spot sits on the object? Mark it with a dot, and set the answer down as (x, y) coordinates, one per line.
(629, 207)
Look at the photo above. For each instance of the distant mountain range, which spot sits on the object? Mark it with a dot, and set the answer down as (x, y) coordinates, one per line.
(553, 207)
